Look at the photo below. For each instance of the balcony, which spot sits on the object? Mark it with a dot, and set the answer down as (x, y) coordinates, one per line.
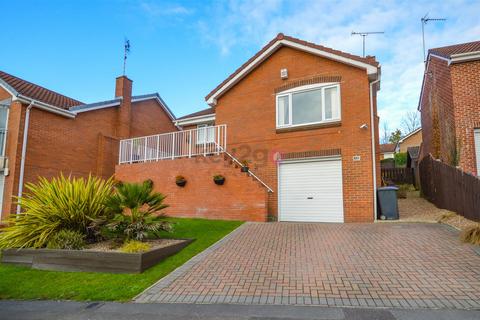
(180, 144)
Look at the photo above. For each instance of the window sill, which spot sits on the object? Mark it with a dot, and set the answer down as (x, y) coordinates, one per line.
(310, 126)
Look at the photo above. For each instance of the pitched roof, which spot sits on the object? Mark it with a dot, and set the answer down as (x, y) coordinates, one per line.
(117, 101)
(387, 147)
(281, 37)
(413, 152)
(36, 92)
(198, 113)
(449, 51)
(408, 135)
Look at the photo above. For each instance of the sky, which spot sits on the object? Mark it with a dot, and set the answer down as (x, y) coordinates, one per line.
(184, 49)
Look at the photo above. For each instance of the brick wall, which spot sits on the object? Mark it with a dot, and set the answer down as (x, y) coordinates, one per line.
(248, 109)
(80, 146)
(438, 122)
(149, 118)
(412, 141)
(450, 111)
(240, 198)
(466, 101)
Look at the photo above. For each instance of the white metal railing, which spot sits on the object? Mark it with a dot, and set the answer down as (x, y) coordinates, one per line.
(250, 173)
(178, 144)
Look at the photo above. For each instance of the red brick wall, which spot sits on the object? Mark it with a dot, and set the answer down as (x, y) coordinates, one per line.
(240, 198)
(438, 124)
(16, 120)
(80, 146)
(451, 111)
(248, 109)
(466, 101)
(151, 119)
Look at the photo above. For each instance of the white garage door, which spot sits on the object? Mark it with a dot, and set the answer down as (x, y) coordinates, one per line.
(311, 191)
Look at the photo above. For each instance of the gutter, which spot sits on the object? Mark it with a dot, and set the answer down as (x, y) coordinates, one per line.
(195, 120)
(372, 124)
(46, 107)
(24, 152)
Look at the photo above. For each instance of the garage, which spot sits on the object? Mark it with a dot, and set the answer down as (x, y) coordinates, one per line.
(311, 191)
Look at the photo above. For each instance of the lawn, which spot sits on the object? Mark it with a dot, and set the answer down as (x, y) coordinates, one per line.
(26, 283)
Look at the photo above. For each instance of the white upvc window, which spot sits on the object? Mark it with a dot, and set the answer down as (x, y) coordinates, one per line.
(205, 133)
(306, 105)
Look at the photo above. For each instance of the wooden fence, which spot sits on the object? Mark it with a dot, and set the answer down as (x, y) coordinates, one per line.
(398, 175)
(450, 188)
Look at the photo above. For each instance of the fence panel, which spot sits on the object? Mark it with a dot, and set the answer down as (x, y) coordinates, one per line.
(450, 188)
(398, 175)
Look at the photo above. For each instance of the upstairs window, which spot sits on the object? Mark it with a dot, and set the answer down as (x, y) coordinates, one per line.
(308, 105)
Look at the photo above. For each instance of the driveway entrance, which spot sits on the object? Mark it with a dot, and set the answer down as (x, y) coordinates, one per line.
(375, 265)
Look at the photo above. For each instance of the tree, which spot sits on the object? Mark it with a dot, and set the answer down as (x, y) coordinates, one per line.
(385, 137)
(410, 121)
(395, 136)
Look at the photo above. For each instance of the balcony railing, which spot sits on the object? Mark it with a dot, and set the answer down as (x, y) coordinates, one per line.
(179, 144)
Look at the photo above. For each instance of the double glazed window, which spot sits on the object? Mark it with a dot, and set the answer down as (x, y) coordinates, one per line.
(205, 134)
(308, 105)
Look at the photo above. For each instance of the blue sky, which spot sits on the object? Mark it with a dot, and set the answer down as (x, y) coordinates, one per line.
(183, 49)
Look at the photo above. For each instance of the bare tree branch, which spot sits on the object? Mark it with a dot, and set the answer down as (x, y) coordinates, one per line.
(410, 121)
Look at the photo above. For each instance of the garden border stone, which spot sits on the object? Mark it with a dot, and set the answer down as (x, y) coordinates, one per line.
(91, 261)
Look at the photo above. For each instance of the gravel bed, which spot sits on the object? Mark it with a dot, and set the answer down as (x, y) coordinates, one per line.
(416, 209)
(112, 246)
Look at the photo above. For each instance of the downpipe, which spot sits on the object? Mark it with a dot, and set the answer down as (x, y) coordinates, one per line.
(24, 152)
(374, 166)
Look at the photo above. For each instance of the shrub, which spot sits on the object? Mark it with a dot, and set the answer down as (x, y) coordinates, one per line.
(177, 178)
(218, 177)
(50, 206)
(134, 246)
(402, 190)
(67, 239)
(471, 235)
(135, 206)
(400, 159)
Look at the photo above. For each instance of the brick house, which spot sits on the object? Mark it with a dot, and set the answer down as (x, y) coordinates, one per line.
(44, 133)
(450, 106)
(411, 139)
(387, 151)
(303, 117)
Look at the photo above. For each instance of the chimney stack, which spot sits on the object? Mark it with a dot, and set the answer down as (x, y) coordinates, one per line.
(123, 90)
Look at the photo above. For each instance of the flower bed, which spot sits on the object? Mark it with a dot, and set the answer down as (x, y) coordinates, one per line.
(93, 260)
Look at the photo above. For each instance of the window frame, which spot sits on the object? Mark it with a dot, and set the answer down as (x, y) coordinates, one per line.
(315, 87)
(205, 131)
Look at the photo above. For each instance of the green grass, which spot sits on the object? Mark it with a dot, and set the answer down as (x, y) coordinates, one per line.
(25, 283)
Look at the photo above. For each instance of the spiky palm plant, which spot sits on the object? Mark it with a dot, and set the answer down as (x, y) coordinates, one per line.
(53, 205)
(135, 207)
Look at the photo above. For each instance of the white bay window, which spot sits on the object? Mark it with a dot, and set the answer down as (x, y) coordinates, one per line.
(307, 105)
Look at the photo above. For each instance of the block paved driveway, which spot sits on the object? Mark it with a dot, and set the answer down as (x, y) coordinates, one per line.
(375, 265)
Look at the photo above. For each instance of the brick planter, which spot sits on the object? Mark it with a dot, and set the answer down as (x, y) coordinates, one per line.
(90, 261)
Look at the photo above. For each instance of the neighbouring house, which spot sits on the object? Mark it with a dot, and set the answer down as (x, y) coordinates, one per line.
(387, 151)
(412, 156)
(450, 106)
(44, 133)
(302, 118)
(411, 139)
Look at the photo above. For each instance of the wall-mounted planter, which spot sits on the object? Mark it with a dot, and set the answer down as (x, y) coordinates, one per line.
(181, 183)
(219, 181)
(244, 169)
(91, 261)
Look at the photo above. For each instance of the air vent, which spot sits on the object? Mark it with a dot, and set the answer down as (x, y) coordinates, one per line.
(284, 73)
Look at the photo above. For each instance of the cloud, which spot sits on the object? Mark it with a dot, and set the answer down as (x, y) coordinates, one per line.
(156, 10)
(236, 25)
